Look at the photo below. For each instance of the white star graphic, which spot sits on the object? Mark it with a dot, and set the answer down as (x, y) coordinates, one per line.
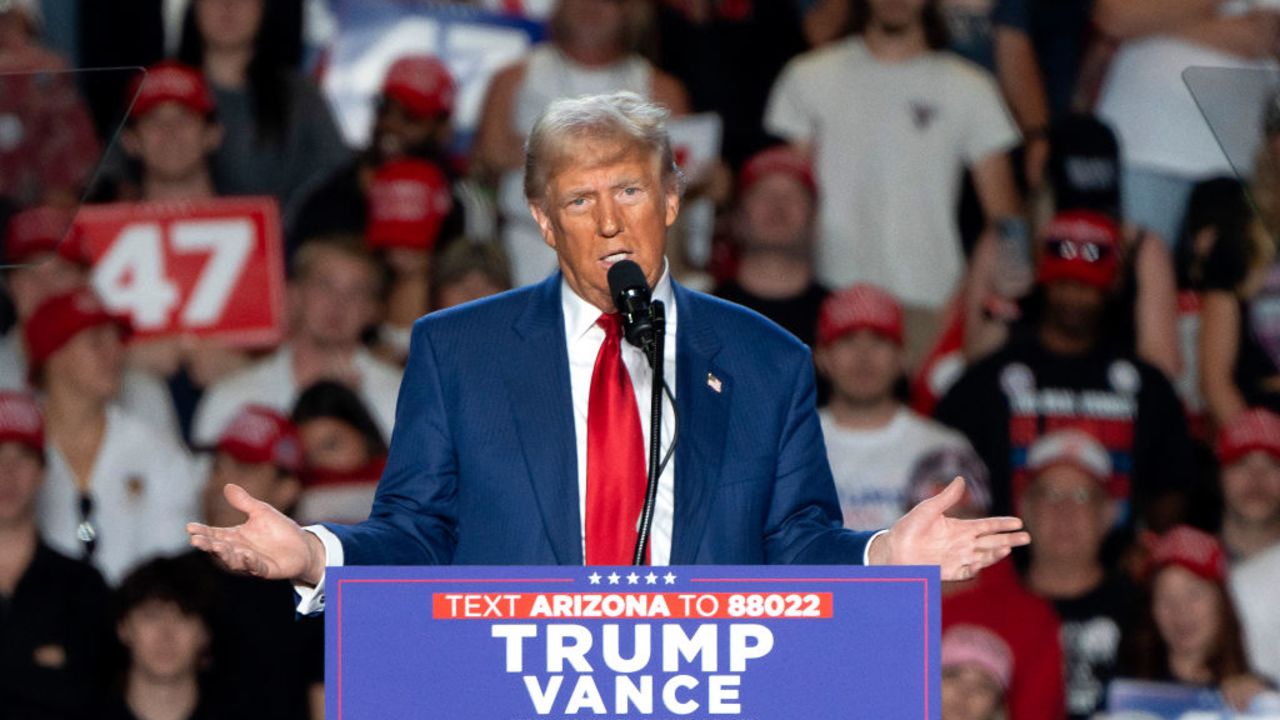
(613, 578)
(632, 579)
(651, 579)
(669, 578)
(594, 578)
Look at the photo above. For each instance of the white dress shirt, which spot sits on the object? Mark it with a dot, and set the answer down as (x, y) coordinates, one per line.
(584, 338)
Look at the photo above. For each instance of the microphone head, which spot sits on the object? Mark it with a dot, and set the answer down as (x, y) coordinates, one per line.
(627, 279)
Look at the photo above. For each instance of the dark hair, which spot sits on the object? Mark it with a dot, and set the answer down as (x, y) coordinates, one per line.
(275, 54)
(187, 581)
(936, 35)
(465, 257)
(333, 400)
(1146, 655)
(1219, 204)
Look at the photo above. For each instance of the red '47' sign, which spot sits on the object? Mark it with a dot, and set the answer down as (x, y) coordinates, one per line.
(213, 268)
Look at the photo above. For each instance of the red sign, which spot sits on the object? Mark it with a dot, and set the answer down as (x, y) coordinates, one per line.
(212, 268)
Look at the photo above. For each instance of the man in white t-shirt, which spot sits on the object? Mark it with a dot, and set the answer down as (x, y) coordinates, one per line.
(873, 440)
(892, 120)
(334, 295)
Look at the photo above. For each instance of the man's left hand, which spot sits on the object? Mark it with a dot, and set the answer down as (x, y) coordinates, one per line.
(926, 536)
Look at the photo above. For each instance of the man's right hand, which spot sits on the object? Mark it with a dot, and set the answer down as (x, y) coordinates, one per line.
(268, 545)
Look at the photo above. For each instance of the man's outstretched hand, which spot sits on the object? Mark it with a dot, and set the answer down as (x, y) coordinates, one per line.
(925, 536)
(268, 545)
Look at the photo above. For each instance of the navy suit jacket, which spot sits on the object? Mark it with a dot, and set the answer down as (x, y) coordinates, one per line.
(483, 463)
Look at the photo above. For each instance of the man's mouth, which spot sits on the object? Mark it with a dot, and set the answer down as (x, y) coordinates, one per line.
(612, 258)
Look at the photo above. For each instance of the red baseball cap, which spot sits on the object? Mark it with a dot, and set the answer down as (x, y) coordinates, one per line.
(861, 307)
(40, 230)
(408, 202)
(1189, 548)
(422, 84)
(170, 81)
(1254, 429)
(1080, 245)
(20, 420)
(780, 159)
(59, 319)
(259, 434)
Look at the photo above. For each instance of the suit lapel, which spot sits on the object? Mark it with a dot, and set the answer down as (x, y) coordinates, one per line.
(537, 379)
(703, 392)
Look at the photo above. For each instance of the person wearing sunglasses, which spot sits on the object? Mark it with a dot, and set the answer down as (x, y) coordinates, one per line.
(1060, 368)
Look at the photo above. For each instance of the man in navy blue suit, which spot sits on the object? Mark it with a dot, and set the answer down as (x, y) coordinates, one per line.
(518, 437)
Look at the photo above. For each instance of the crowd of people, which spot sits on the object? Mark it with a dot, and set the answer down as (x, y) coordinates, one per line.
(1010, 239)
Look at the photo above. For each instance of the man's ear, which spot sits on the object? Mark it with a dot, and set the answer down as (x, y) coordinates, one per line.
(1111, 513)
(822, 361)
(545, 224)
(673, 206)
(286, 493)
(129, 141)
(213, 135)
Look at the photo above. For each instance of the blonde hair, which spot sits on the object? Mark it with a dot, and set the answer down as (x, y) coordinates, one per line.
(621, 117)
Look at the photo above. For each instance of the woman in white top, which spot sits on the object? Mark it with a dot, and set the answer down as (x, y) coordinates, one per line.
(116, 491)
(1166, 142)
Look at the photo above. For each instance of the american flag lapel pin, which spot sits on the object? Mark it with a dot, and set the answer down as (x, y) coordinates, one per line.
(714, 383)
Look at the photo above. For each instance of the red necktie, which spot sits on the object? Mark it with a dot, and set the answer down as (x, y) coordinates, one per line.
(615, 455)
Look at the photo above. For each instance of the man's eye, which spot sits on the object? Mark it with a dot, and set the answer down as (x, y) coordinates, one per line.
(578, 202)
(631, 191)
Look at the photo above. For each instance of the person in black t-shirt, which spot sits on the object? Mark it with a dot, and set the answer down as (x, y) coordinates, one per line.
(165, 621)
(773, 231)
(1058, 372)
(54, 628)
(273, 662)
(1069, 513)
(1240, 305)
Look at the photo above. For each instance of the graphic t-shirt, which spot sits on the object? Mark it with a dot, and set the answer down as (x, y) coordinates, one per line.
(891, 142)
(1091, 630)
(1007, 401)
(872, 468)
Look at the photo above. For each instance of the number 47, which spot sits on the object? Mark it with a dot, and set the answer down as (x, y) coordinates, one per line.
(130, 277)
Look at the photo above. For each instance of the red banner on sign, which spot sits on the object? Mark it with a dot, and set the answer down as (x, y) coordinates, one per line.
(211, 268)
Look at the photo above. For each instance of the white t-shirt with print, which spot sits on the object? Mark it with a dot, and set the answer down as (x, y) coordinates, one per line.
(891, 140)
(872, 467)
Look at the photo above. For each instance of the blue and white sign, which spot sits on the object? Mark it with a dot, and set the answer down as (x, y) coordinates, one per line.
(766, 643)
(472, 42)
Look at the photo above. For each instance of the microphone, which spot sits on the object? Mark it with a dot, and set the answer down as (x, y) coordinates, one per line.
(632, 297)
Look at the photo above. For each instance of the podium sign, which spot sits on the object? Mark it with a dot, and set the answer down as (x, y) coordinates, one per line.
(515, 643)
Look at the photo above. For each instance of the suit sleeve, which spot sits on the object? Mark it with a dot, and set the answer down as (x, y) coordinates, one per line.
(414, 519)
(804, 524)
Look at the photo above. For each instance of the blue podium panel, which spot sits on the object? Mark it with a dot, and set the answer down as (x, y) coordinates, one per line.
(518, 643)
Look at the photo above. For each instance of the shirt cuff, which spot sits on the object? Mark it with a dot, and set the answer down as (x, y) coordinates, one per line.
(866, 551)
(311, 599)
